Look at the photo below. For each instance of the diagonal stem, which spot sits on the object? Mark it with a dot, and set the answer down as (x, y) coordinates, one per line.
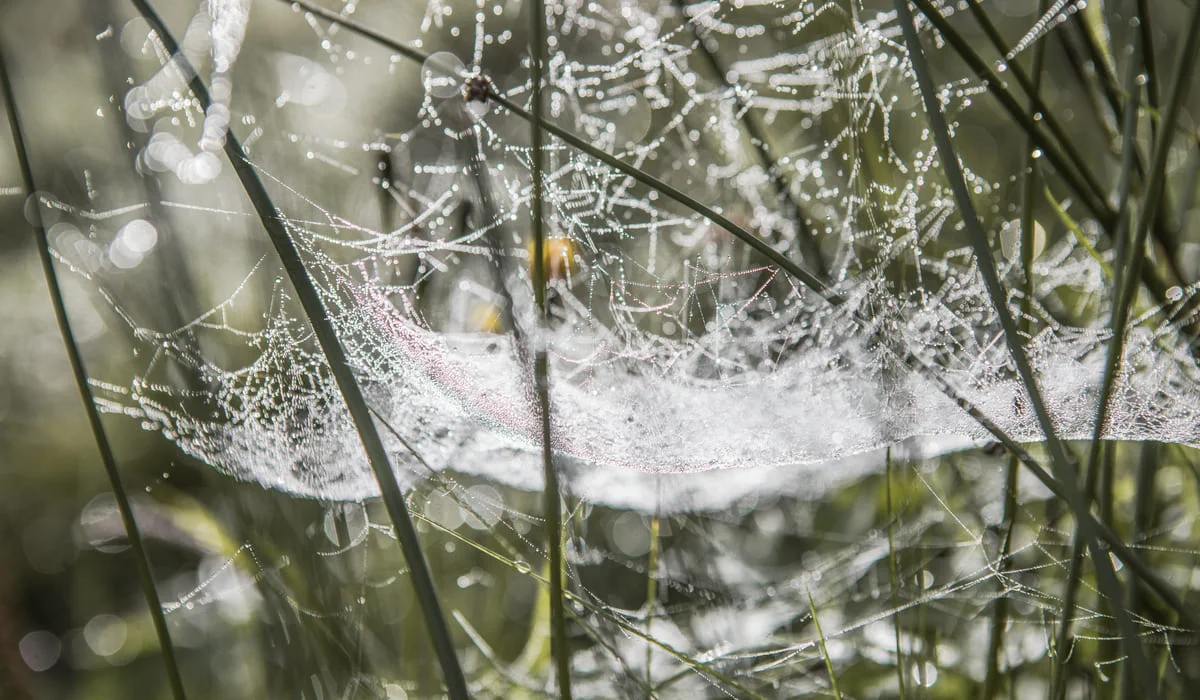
(1112, 362)
(1060, 461)
(136, 543)
(314, 309)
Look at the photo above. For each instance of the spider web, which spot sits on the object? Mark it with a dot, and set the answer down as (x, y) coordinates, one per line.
(690, 379)
(673, 348)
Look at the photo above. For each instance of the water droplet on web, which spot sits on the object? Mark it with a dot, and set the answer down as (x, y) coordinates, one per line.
(442, 74)
(924, 674)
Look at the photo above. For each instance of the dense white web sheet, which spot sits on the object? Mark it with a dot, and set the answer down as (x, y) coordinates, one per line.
(673, 348)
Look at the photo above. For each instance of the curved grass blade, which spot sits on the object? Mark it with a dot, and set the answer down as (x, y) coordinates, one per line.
(1080, 237)
(1067, 492)
(124, 508)
(314, 310)
(1060, 461)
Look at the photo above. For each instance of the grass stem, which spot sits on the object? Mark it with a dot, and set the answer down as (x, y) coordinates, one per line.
(136, 544)
(552, 501)
(894, 574)
(824, 649)
(1111, 368)
(1060, 461)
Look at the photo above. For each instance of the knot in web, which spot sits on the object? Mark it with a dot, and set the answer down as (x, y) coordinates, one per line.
(478, 88)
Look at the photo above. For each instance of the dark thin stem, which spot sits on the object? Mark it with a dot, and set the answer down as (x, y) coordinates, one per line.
(136, 544)
(1060, 461)
(1071, 167)
(1149, 62)
(1106, 78)
(758, 244)
(1112, 364)
(991, 682)
(1030, 180)
(318, 317)
(1143, 520)
(894, 575)
(551, 500)
(1068, 492)
(837, 694)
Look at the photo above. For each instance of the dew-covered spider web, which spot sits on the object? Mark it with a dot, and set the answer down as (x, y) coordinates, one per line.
(674, 347)
(691, 379)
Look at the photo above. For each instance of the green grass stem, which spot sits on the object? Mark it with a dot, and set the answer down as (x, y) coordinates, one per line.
(1080, 237)
(893, 574)
(552, 501)
(652, 588)
(1030, 179)
(1060, 461)
(824, 649)
(137, 545)
(1143, 519)
(1112, 365)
